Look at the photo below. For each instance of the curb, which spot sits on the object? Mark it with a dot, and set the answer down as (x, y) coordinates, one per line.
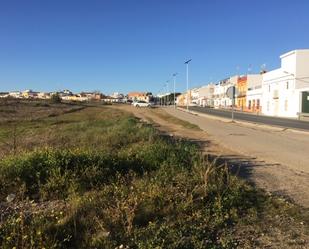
(245, 123)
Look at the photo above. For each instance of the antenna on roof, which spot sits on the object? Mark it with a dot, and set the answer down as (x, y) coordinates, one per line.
(263, 68)
(249, 68)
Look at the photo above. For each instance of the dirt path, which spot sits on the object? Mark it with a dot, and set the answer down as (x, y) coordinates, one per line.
(266, 174)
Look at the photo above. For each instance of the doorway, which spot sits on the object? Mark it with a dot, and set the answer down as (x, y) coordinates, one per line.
(305, 102)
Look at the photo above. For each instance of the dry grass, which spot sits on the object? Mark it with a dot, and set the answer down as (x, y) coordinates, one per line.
(165, 116)
(98, 178)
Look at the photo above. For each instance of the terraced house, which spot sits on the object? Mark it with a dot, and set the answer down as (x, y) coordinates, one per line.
(144, 96)
(254, 93)
(286, 89)
(242, 88)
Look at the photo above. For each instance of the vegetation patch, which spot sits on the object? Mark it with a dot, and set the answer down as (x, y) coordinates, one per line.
(105, 180)
(174, 120)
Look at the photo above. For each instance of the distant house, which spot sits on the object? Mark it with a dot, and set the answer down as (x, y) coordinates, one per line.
(184, 98)
(134, 96)
(29, 94)
(195, 95)
(67, 92)
(75, 97)
(114, 98)
(68, 97)
(92, 95)
(64, 94)
(205, 95)
(117, 95)
(15, 94)
(221, 100)
(110, 99)
(180, 100)
(43, 95)
(4, 94)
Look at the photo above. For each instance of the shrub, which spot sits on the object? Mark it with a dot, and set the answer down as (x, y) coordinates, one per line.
(52, 173)
(55, 98)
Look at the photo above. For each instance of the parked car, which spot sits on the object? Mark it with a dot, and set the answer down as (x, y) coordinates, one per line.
(141, 103)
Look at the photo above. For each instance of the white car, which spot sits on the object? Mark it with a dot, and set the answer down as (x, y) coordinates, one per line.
(141, 103)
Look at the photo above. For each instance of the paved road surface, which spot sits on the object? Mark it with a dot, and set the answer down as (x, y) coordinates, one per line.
(282, 122)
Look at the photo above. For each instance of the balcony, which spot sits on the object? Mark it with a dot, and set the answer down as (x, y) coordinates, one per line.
(242, 94)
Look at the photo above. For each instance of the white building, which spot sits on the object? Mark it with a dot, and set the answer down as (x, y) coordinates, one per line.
(217, 95)
(43, 95)
(195, 94)
(254, 92)
(285, 91)
(202, 96)
(29, 94)
(15, 94)
(4, 94)
(227, 102)
(117, 95)
(206, 95)
(221, 100)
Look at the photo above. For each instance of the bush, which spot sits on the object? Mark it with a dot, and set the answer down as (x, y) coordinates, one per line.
(161, 206)
(53, 174)
(55, 98)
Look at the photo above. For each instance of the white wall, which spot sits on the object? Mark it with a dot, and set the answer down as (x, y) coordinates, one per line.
(282, 87)
(254, 91)
(254, 80)
(302, 69)
(221, 100)
(205, 95)
(279, 95)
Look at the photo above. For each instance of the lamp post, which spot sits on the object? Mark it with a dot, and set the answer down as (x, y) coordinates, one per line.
(167, 90)
(174, 76)
(187, 63)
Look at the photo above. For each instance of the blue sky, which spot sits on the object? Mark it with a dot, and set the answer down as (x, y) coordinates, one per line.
(128, 45)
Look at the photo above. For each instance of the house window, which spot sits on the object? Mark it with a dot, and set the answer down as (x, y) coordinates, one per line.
(286, 105)
(249, 106)
(268, 88)
(287, 85)
(258, 104)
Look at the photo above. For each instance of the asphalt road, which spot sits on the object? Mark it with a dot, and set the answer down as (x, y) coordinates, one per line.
(281, 122)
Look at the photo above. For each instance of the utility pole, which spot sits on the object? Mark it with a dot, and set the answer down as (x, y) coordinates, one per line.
(187, 62)
(167, 90)
(233, 103)
(174, 75)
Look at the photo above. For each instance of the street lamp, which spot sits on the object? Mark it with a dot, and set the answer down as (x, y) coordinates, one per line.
(187, 62)
(174, 76)
(167, 90)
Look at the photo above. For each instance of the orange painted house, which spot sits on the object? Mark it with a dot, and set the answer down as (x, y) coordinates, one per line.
(242, 88)
(138, 96)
